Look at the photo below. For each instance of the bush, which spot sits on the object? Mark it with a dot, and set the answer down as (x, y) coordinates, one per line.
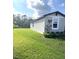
(54, 34)
(50, 34)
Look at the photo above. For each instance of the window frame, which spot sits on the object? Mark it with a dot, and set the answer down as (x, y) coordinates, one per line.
(55, 25)
(53, 21)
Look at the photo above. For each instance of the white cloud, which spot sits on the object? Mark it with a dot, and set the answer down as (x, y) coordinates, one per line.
(35, 14)
(31, 3)
(50, 3)
(40, 7)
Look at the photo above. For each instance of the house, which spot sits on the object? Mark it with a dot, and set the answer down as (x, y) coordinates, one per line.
(52, 22)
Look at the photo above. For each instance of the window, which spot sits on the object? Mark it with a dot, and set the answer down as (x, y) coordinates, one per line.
(55, 25)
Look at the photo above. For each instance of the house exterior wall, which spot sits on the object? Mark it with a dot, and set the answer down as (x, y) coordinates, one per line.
(61, 24)
(39, 26)
(31, 25)
(46, 24)
(49, 26)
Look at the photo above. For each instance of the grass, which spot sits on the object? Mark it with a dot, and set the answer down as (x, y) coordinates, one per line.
(32, 45)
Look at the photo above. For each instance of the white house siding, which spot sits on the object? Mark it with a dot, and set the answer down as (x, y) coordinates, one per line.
(48, 26)
(31, 25)
(39, 26)
(61, 24)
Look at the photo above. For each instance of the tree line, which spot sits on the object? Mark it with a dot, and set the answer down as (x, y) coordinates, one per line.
(21, 21)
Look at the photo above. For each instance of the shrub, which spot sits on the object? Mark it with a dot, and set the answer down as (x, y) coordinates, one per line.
(54, 34)
(50, 34)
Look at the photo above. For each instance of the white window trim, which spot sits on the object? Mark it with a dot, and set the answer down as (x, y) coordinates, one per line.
(57, 22)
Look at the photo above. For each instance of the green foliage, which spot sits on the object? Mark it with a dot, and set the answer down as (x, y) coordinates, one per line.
(55, 35)
(29, 44)
(22, 21)
(49, 34)
(15, 26)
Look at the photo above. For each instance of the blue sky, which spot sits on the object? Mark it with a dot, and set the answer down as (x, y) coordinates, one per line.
(36, 8)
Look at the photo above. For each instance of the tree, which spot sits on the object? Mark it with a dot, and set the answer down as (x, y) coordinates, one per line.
(21, 21)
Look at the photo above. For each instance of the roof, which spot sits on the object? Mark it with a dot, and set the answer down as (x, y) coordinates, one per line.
(57, 12)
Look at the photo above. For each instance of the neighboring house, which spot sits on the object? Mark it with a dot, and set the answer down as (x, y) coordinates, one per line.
(52, 22)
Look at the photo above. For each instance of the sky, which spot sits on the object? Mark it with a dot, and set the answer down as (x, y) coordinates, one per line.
(37, 8)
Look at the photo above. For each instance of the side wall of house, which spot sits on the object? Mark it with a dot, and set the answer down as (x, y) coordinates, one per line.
(46, 24)
(31, 25)
(38, 26)
(49, 25)
(61, 23)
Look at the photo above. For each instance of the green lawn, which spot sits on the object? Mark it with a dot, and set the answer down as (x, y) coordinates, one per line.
(32, 45)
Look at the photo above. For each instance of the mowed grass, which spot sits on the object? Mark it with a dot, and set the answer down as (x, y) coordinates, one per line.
(29, 44)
